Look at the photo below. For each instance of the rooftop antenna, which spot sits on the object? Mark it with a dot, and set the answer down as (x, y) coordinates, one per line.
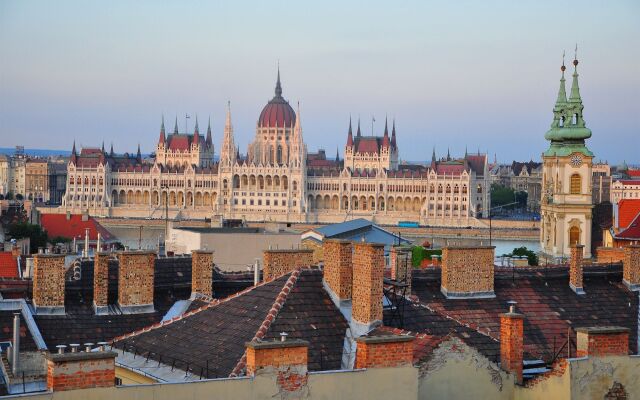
(186, 127)
(373, 119)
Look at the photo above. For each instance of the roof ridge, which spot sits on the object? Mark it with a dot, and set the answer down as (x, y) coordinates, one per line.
(271, 316)
(214, 303)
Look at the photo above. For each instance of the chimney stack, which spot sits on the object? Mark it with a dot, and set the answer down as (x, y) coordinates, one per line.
(80, 370)
(48, 283)
(338, 268)
(467, 272)
(368, 270)
(287, 358)
(602, 341)
(631, 267)
(135, 281)
(575, 269)
(279, 262)
(201, 273)
(101, 283)
(401, 267)
(511, 342)
(384, 351)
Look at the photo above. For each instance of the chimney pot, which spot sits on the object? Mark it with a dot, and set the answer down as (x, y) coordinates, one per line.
(88, 347)
(283, 336)
(61, 348)
(103, 345)
(74, 347)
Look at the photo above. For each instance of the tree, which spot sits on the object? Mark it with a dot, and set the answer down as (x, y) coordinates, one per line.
(532, 257)
(20, 230)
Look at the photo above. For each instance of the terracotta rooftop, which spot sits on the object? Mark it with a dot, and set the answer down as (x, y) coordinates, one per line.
(58, 225)
(8, 265)
(628, 209)
(632, 232)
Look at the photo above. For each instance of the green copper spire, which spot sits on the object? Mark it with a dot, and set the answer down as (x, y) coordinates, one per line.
(575, 89)
(562, 92)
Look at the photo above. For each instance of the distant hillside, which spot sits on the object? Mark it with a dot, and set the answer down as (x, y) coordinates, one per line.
(35, 152)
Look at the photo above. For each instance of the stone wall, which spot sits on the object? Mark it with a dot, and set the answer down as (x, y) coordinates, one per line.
(279, 262)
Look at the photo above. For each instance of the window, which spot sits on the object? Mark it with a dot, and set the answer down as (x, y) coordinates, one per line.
(574, 235)
(576, 184)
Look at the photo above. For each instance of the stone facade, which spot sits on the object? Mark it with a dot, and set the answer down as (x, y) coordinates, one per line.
(48, 281)
(602, 341)
(368, 271)
(202, 272)
(101, 280)
(338, 269)
(511, 343)
(467, 271)
(277, 180)
(279, 262)
(576, 269)
(384, 351)
(83, 370)
(135, 281)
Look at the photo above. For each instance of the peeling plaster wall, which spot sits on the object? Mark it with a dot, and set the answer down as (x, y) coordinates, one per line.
(553, 385)
(376, 383)
(592, 378)
(457, 371)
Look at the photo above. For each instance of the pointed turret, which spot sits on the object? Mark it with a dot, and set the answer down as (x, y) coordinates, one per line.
(337, 155)
(465, 152)
(196, 133)
(163, 136)
(175, 128)
(139, 154)
(74, 154)
(278, 85)
(433, 155)
(350, 135)
(209, 141)
(393, 135)
(562, 92)
(111, 151)
(102, 148)
(575, 89)
(358, 134)
(448, 155)
(228, 153)
(385, 138)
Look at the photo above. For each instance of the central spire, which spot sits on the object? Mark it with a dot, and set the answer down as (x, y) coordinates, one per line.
(278, 85)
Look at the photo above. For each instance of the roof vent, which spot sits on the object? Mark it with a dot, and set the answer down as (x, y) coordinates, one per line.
(283, 336)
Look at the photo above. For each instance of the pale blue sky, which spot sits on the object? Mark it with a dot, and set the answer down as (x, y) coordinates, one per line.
(482, 74)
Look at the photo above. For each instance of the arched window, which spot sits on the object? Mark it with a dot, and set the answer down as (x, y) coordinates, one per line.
(574, 235)
(576, 184)
(279, 155)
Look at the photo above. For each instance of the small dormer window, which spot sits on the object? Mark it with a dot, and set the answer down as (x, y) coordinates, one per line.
(561, 122)
(574, 119)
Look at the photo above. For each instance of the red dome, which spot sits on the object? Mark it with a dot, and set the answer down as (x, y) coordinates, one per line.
(277, 112)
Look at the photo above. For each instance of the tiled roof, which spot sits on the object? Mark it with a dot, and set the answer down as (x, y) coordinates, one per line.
(476, 163)
(634, 173)
(632, 232)
(215, 335)
(58, 225)
(449, 169)
(8, 265)
(551, 309)
(368, 144)
(182, 142)
(628, 209)
(633, 182)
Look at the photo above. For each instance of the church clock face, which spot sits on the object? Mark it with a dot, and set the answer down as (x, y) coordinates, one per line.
(576, 160)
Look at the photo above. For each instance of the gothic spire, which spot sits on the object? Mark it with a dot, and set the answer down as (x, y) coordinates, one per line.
(209, 140)
(139, 155)
(433, 155)
(393, 134)
(228, 153)
(337, 155)
(385, 139)
(575, 89)
(102, 149)
(175, 128)
(73, 152)
(196, 132)
(111, 151)
(448, 155)
(350, 135)
(163, 136)
(278, 85)
(358, 134)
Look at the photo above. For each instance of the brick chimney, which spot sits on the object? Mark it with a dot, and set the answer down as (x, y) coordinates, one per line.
(511, 342)
(575, 269)
(201, 273)
(368, 270)
(401, 267)
(287, 360)
(101, 283)
(48, 283)
(602, 341)
(467, 272)
(135, 281)
(631, 267)
(279, 262)
(338, 268)
(82, 370)
(384, 351)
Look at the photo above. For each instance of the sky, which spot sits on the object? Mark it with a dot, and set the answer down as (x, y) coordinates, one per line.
(481, 75)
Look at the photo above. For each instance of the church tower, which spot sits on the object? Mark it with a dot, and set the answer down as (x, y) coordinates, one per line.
(566, 177)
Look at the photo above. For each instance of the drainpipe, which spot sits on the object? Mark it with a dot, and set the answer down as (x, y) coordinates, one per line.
(98, 244)
(256, 272)
(15, 354)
